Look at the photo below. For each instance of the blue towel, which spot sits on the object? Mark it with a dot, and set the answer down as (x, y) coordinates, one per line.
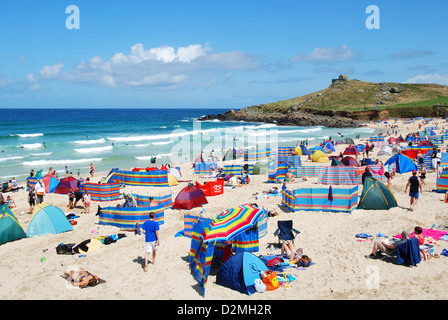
(409, 252)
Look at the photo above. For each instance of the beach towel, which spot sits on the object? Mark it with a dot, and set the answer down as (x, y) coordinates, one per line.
(409, 252)
(428, 233)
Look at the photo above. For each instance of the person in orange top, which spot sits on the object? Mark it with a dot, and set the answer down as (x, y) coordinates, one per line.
(92, 169)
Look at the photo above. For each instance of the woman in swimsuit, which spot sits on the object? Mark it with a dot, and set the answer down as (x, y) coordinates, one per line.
(422, 174)
(295, 256)
(83, 278)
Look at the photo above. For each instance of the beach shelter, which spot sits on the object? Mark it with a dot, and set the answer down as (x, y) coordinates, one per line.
(392, 140)
(189, 198)
(376, 196)
(351, 150)
(261, 168)
(319, 156)
(65, 184)
(240, 271)
(50, 183)
(329, 147)
(175, 172)
(10, 228)
(315, 149)
(226, 227)
(385, 151)
(349, 161)
(402, 163)
(304, 149)
(349, 141)
(335, 162)
(172, 181)
(48, 219)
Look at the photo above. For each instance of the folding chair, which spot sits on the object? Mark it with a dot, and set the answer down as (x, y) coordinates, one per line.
(406, 253)
(285, 232)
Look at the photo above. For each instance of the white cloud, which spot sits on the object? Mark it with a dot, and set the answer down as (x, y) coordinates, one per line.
(327, 54)
(429, 78)
(162, 67)
(51, 72)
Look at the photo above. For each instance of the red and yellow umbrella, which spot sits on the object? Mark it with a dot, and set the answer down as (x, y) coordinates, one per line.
(231, 222)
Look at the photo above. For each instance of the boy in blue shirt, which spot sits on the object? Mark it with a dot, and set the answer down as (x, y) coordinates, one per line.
(151, 230)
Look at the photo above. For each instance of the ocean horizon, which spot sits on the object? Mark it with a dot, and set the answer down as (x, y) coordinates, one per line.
(125, 138)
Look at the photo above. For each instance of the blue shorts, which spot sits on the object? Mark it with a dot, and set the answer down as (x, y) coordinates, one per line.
(413, 194)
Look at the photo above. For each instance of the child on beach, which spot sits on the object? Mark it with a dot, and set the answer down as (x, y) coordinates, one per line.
(86, 201)
(151, 230)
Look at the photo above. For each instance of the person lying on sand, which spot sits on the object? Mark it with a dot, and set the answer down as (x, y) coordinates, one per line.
(82, 279)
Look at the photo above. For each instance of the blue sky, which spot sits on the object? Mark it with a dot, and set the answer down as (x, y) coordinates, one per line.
(210, 54)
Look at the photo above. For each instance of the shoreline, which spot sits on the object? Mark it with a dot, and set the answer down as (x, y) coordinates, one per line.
(341, 270)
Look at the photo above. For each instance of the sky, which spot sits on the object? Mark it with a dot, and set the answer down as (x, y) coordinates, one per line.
(210, 54)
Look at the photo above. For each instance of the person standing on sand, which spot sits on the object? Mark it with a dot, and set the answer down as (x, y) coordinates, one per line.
(151, 230)
(92, 169)
(415, 187)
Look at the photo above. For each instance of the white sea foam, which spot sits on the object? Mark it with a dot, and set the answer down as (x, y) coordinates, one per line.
(56, 162)
(94, 150)
(149, 157)
(11, 158)
(156, 137)
(32, 145)
(41, 154)
(102, 140)
(27, 135)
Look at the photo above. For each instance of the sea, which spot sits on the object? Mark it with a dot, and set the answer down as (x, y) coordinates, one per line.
(72, 139)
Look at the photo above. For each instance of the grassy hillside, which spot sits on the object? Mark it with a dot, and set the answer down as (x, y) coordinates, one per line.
(354, 95)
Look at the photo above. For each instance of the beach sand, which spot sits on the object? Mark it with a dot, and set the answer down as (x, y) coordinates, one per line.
(341, 270)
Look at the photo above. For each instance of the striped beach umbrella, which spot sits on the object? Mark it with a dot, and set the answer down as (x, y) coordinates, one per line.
(231, 222)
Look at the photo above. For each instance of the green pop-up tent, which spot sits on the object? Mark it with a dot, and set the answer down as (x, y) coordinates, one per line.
(10, 228)
(376, 196)
(261, 168)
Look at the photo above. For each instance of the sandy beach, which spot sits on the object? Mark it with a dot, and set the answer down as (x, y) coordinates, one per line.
(341, 270)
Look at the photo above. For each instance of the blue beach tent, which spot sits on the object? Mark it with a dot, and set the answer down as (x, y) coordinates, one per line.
(48, 219)
(402, 163)
(304, 150)
(240, 271)
(330, 146)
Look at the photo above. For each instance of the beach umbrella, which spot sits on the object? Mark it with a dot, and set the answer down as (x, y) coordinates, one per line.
(231, 222)
(65, 185)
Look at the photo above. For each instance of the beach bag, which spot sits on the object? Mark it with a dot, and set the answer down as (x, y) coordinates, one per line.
(63, 248)
(259, 285)
(270, 280)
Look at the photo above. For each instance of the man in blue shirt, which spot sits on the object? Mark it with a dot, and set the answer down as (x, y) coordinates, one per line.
(151, 230)
(415, 187)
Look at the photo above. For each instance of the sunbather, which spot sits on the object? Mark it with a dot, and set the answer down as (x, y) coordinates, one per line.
(82, 278)
(386, 246)
(295, 255)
